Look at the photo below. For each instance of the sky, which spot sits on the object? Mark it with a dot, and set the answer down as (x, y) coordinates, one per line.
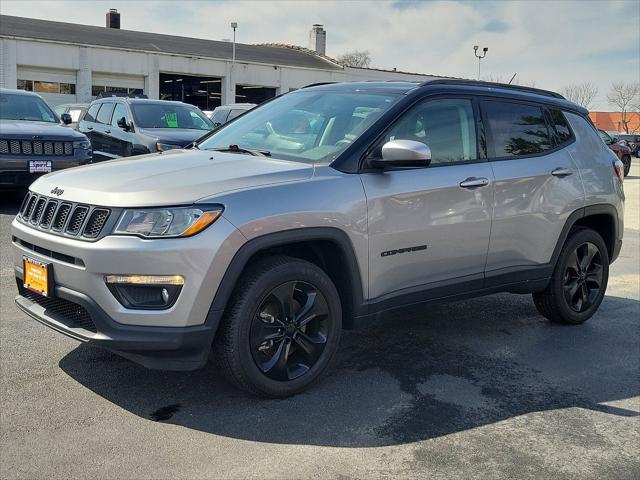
(547, 43)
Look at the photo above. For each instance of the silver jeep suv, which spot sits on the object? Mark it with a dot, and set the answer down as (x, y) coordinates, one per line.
(319, 210)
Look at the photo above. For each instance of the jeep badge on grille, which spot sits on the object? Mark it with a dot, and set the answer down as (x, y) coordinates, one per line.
(57, 191)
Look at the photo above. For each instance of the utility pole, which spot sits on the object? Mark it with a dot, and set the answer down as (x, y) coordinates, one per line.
(480, 57)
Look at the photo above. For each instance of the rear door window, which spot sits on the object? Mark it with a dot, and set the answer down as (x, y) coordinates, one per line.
(516, 129)
(235, 113)
(220, 116)
(104, 115)
(90, 116)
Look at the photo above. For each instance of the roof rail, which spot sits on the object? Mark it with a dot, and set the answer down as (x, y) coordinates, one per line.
(318, 84)
(480, 83)
(121, 95)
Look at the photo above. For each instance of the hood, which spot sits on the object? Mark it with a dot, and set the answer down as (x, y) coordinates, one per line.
(173, 136)
(24, 129)
(175, 177)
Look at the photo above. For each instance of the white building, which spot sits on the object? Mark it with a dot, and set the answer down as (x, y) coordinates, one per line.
(68, 63)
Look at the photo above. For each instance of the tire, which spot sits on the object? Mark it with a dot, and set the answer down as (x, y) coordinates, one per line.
(569, 276)
(281, 328)
(626, 160)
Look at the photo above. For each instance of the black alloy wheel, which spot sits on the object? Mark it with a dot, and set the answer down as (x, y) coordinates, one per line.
(579, 281)
(583, 277)
(289, 330)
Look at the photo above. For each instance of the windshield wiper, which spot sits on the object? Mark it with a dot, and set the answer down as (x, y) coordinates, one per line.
(237, 149)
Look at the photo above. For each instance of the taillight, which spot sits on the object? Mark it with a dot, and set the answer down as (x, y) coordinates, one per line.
(618, 166)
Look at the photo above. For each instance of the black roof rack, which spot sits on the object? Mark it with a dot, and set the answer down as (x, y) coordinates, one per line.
(121, 95)
(480, 83)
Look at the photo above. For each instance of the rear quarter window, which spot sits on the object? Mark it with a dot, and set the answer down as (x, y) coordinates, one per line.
(90, 116)
(560, 127)
(516, 129)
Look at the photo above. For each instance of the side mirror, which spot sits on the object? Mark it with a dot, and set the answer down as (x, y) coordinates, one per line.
(403, 153)
(66, 118)
(615, 140)
(123, 124)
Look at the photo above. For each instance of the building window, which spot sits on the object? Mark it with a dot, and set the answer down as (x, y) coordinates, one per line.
(47, 87)
(98, 89)
(25, 85)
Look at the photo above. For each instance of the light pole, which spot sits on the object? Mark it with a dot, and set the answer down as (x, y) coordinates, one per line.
(232, 87)
(480, 57)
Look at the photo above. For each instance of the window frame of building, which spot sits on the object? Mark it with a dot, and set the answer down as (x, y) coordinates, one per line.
(490, 143)
(55, 88)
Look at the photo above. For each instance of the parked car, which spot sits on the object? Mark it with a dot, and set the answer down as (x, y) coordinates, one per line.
(320, 210)
(622, 151)
(123, 126)
(226, 113)
(34, 141)
(630, 140)
(75, 110)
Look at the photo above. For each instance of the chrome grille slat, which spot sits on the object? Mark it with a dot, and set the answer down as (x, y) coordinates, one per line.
(77, 219)
(37, 211)
(62, 218)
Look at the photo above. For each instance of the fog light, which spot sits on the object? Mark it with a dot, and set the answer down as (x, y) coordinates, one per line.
(145, 292)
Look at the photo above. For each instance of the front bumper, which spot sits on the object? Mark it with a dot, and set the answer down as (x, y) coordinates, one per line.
(178, 338)
(14, 169)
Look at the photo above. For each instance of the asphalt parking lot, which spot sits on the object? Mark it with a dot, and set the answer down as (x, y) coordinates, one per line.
(480, 388)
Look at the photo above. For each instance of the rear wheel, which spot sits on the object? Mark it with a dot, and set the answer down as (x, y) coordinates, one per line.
(626, 160)
(579, 280)
(281, 329)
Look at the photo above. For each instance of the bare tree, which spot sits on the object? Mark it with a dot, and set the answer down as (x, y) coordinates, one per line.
(581, 93)
(624, 97)
(355, 58)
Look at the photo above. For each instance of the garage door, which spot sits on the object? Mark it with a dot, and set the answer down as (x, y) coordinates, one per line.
(55, 86)
(104, 82)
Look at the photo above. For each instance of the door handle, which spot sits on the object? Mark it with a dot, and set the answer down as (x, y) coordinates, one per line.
(473, 182)
(107, 131)
(561, 172)
(89, 128)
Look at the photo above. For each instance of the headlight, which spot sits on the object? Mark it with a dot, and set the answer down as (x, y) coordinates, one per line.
(83, 144)
(167, 222)
(162, 147)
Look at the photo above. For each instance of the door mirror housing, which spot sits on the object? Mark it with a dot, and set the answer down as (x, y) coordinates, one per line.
(615, 140)
(66, 118)
(123, 124)
(403, 153)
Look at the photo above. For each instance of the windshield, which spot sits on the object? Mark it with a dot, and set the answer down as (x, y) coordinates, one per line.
(25, 107)
(170, 115)
(304, 126)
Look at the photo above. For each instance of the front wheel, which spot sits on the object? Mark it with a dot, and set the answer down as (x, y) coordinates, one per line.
(281, 329)
(579, 280)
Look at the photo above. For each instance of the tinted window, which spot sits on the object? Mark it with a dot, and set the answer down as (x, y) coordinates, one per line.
(219, 116)
(560, 126)
(104, 115)
(90, 116)
(516, 129)
(119, 112)
(170, 115)
(234, 113)
(446, 126)
(25, 107)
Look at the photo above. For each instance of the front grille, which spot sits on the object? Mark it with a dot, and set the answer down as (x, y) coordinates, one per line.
(77, 219)
(36, 147)
(64, 218)
(95, 223)
(61, 217)
(69, 313)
